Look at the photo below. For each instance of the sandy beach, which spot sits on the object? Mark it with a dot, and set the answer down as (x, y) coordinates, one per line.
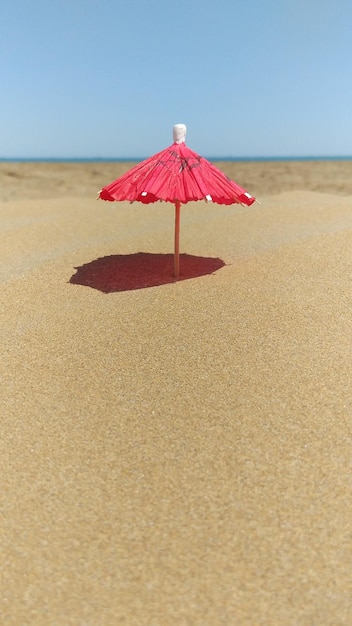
(176, 453)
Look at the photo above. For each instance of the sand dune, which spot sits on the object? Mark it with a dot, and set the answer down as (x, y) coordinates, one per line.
(176, 454)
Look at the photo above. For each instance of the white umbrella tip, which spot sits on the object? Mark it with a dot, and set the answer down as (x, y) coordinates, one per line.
(179, 133)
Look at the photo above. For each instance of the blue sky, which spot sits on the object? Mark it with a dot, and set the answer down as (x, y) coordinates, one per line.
(109, 78)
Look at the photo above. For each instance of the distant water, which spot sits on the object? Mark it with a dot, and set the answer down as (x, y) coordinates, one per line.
(138, 159)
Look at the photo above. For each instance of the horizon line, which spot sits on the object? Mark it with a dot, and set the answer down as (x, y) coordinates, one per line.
(81, 159)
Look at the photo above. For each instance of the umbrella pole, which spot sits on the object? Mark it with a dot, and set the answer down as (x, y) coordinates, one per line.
(177, 240)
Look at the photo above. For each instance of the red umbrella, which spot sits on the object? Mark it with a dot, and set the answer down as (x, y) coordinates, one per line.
(178, 175)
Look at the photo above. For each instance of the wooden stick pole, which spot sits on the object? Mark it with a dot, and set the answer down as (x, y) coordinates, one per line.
(177, 240)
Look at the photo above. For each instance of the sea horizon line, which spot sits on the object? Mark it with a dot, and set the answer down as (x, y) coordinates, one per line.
(137, 159)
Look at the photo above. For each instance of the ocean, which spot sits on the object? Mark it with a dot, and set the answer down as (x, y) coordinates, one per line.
(230, 159)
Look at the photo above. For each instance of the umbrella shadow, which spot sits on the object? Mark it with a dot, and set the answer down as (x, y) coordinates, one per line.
(126, 272)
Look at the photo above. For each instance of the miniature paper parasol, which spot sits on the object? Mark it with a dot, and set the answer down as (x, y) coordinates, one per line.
(177, 175)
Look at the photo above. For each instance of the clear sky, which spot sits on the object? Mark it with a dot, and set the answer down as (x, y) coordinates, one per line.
(109, 78)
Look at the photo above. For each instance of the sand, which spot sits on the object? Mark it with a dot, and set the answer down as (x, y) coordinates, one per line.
(177, 454)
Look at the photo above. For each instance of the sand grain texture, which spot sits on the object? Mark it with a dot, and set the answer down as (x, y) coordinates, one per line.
(180, 454)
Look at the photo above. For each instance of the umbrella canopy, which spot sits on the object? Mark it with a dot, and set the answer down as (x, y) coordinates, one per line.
(178, 175)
